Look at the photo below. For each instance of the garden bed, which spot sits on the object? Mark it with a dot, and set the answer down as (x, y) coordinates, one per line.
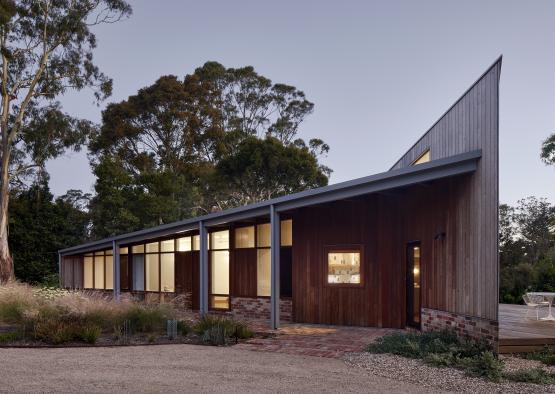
(441, 359)
(39, 317)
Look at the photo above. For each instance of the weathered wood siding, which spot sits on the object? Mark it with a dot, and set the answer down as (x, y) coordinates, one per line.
(472, 123)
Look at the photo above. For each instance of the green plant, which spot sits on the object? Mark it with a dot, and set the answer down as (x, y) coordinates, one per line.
(90, 333)
(151, 338)
(183, 328)
(546, 356)
(146, 318)
(484, 365)
(6, 337)
(215, 335)
(216, 329)
(532, 375)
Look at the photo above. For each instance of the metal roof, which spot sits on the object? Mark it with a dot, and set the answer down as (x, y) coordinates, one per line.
(435, 169)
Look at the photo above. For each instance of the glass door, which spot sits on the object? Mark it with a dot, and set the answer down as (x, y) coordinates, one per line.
(413, 284)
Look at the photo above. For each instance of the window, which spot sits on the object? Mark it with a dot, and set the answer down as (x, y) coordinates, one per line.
(152, 272)
(138, 249)
(219, 240)
(109, 272)
(138, 272)
(244, 237)
(344, 266)
(423, 158)
(184, 244)
(263, 235)
(99, 270)
(167, 245)
(263, 276)
(124, 250)
(219, 278)
(152, 247)
(286, 232)
(196, 242)
(167, 274)
(88, 271)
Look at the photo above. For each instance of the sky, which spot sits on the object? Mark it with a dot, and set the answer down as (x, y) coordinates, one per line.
(380, 73)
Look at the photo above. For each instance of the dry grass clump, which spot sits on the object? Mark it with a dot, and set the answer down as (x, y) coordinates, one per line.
(59, 316)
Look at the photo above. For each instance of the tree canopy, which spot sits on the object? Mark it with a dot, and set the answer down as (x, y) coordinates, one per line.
(219, 138)
(548, 150)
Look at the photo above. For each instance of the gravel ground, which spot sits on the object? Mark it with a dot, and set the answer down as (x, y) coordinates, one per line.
(185, 368)
(449, 379)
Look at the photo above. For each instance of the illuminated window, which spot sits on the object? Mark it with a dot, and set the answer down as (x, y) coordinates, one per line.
(423, 158)
(124, 250)
(220, 302)
(152, 247)
(263, 275)
(219, 278)
(244, 237)
(263, 235)
(196, 242)
(167, 274)
(219, 240)
(109, 252)
(286, 232)
(167, 245)
(138, 249)
(98, 271)
(184, 244)
(152, 273)
(344, 267)
(88, 272)
(109, 272)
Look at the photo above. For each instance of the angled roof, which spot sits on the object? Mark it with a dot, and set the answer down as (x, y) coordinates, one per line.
(436, 169)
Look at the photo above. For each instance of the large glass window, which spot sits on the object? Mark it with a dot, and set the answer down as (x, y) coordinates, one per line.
(263, 267)
(167, 246)
(244, 237)
(88, 272)
(152, 272)
(184, 244)
(138, 249)
(344, 267)
(263, 235)
(152, 247)
(167, 274)
(219, 278)
(99, 271)
(138, 272)
(219, 240)
(286, 232)
(110, 272)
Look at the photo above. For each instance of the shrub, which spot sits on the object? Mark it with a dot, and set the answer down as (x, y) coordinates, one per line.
(546, 356)
(443, 349)
(532, 375)
(90, 333)
(6, 337)
(146, 318)
(217, 330)
(183, 328)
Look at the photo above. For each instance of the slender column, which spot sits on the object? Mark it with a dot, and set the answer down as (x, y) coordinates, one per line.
(275, 245)
(203, 269)
(117, 270)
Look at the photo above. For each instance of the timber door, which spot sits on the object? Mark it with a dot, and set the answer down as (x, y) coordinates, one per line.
(187, 275)
(413, 284)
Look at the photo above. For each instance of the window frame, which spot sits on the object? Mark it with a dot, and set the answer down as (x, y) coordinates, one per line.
(345, 248)
(231, 241)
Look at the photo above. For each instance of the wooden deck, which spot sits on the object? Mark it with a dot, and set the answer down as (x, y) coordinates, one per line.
(518, 333)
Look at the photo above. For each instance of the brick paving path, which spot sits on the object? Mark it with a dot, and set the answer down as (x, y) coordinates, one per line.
(312, 340)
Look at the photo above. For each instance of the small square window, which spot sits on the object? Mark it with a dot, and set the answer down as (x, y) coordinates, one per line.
(219, 302)
(344, 266)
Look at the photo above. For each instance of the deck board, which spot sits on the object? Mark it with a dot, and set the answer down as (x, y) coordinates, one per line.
(518, 333)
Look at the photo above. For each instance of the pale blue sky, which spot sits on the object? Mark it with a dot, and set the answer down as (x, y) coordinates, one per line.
(379, 73)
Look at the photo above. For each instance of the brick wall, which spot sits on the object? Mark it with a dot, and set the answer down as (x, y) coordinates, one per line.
(259, 308)
(465, 326)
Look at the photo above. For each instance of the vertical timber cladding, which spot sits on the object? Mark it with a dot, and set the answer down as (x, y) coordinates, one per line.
(471, 123)
(371, 222)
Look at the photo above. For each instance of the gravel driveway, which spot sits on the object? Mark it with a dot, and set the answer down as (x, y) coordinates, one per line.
(182, 368)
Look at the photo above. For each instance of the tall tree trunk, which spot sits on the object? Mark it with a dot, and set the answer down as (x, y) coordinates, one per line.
(6, 261)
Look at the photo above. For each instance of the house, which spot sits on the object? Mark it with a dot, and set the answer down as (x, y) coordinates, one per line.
(413, 246)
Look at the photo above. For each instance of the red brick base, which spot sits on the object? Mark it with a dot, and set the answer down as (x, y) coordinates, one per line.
(465, 326)
(259, 308)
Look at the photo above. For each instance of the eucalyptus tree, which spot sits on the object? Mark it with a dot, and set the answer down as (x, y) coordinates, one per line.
(548, 150)
(46, 48)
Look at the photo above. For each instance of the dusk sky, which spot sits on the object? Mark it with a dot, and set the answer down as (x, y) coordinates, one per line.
(379, 74)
